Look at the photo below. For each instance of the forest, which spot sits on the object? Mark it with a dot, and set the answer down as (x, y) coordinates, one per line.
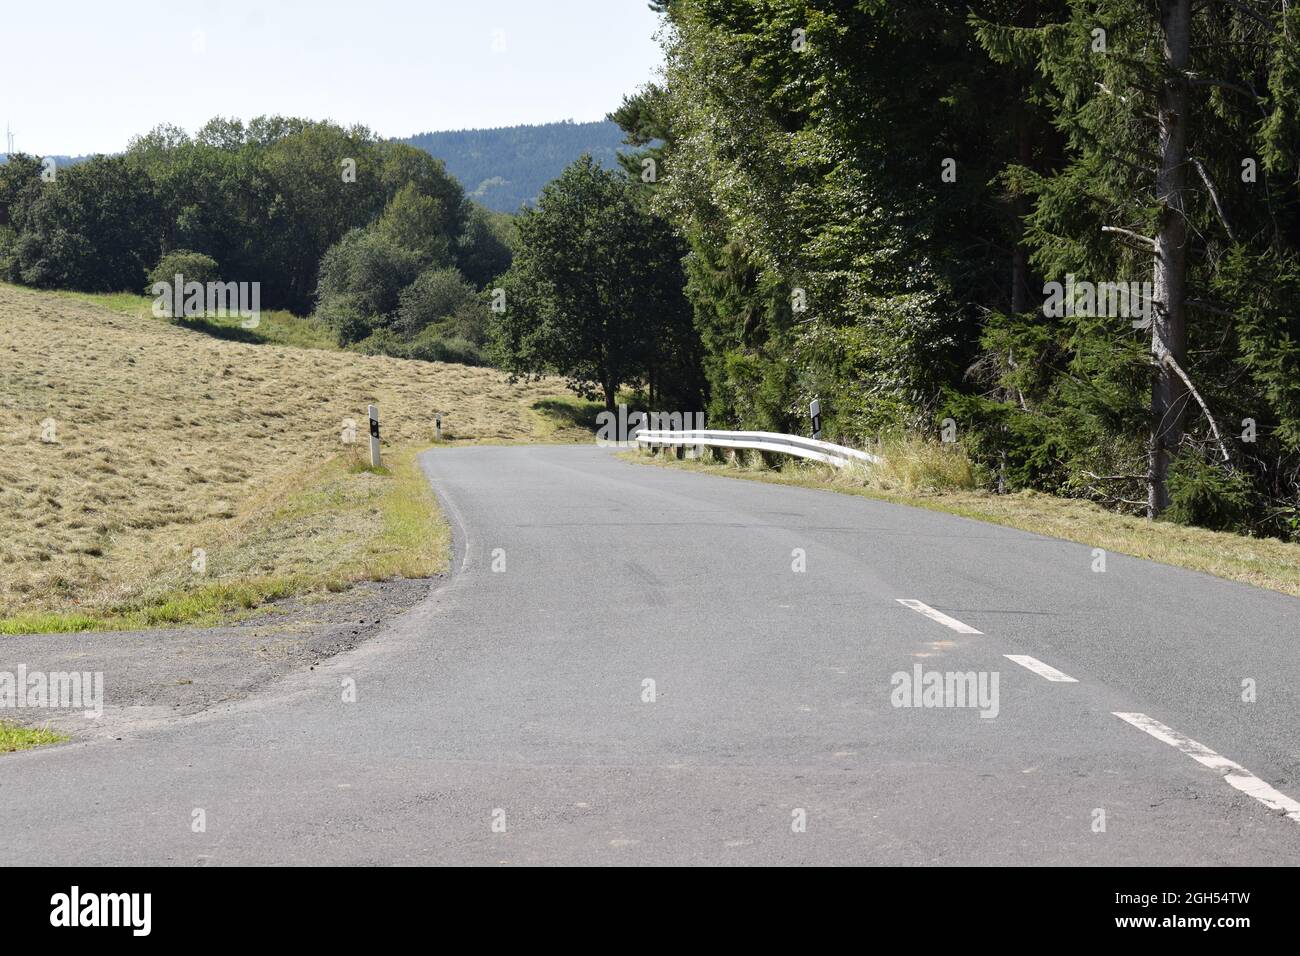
(879, 199)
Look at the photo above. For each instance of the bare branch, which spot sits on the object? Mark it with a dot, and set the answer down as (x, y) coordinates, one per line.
(1214, 195)
(1151, 243)
(1170, 361)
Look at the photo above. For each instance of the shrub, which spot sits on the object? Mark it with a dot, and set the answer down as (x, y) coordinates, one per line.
(434, 296)
(431, 349)
(428, 347)
(191, 266)
(1209, 495)
(349, 323)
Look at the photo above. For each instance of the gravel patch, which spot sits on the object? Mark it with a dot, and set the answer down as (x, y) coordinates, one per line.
(159, 674)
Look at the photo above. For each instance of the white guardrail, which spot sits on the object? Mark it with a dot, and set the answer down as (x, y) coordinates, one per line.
(822, 451)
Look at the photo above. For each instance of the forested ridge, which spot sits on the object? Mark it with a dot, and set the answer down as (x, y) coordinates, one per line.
(876, 197)
(506, 167)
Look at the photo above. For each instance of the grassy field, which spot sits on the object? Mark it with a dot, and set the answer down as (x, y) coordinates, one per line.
(274, 327)
(941, 481)
(128, 442)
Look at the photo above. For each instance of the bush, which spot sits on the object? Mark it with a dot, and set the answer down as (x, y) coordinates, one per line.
(349, 323)
(1210, 496)
(190, 266)
(428, 347)
(435, 296)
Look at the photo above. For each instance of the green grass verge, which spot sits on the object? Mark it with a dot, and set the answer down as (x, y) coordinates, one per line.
(15, 737)
(1262, 562)
(321, 531)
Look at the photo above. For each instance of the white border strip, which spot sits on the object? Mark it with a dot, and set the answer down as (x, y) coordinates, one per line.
(939, 616)
(1234, 773)
(1041, 669)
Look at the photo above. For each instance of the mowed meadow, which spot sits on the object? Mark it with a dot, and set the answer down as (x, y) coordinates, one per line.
(127, 442)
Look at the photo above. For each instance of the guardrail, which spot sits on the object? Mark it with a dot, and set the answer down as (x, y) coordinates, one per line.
(823, 451)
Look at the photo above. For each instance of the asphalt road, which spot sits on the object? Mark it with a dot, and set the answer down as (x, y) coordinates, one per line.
(507, 719)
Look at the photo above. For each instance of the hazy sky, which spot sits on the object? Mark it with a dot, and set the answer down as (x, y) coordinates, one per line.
(82, 76)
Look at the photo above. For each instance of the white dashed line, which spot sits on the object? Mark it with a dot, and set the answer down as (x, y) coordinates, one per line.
(1234, 773)
(939, 616)
(1041, 669)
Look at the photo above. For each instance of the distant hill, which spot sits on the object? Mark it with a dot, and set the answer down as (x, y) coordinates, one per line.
(507, 167)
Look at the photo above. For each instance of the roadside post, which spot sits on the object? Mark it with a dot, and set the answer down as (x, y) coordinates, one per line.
(437, 428)
(815, 411)
(374, 436)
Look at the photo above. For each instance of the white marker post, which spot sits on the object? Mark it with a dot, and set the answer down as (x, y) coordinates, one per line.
(374, 436)
(437, 428)
(815, 412)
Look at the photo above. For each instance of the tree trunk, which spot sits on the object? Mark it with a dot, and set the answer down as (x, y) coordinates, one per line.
(1021, 300)
(611, 394)
(1169, 318)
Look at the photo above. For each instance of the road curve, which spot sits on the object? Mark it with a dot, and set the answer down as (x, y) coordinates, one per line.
(508, 718)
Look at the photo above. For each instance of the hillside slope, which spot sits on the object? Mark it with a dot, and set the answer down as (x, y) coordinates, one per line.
(507, 167)
(127, 442)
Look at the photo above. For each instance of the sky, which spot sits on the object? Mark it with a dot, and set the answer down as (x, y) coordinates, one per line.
(84, 76)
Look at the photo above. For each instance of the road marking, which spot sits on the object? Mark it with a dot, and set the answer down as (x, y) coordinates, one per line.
(1234, 773)
(939, 616)
(1041, 669)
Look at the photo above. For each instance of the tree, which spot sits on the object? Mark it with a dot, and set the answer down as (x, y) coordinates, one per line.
(361, 281)
(1164, 113)
(418, 223)
(93, 228)
(485, 249)
(803, 162)
(593, 272)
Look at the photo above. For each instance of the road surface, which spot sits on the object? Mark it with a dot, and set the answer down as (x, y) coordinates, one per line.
(511, 718)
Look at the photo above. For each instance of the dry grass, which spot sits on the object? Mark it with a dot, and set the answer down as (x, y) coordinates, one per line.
(938, 483)
(912, 466)
(166, 439)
